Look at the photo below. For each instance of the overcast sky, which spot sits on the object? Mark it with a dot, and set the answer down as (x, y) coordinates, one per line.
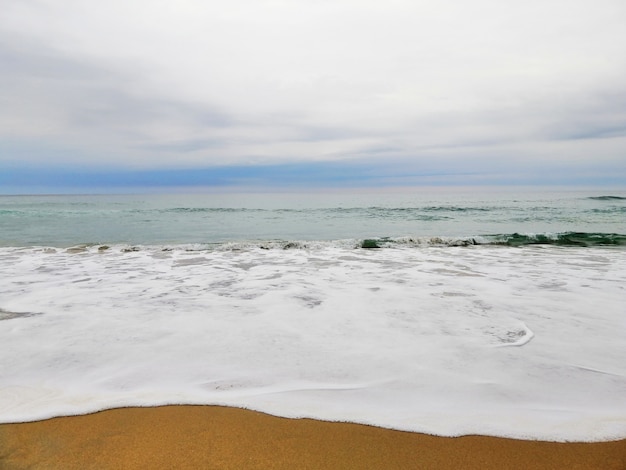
(317, 92)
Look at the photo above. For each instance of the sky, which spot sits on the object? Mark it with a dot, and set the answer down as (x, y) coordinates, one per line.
(311, 93)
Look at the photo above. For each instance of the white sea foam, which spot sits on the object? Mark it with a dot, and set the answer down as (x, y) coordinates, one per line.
(520, 342)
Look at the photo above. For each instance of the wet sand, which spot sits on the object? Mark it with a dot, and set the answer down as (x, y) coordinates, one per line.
(211, 437)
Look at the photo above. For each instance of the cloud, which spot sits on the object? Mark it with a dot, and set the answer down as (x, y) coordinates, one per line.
(436, 87)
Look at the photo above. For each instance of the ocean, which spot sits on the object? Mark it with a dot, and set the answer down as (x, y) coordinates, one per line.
(448, 312)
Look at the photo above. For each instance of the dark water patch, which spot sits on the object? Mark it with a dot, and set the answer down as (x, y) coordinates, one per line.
(370, 243)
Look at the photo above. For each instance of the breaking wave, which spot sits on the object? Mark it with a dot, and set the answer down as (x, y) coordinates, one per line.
(567, 239)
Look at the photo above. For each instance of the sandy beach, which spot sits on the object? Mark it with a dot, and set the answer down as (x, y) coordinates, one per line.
(211, 437)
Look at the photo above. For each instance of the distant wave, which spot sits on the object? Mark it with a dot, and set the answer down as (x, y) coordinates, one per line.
(455, 209)
(610, 210)
(414, 213)
(378, 210)
(202, 209)
(607, 198)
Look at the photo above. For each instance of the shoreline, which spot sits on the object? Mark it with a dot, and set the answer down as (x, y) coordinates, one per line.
(198, 436)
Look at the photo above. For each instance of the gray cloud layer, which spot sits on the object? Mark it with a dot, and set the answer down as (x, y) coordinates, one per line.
(494, 86)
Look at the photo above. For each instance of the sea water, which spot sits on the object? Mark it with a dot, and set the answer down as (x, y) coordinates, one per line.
(436, 311)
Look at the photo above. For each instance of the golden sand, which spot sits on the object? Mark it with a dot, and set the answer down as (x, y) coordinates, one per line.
(211, 437)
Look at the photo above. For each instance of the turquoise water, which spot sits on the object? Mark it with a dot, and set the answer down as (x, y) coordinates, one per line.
(64, 221)
(493, 313)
